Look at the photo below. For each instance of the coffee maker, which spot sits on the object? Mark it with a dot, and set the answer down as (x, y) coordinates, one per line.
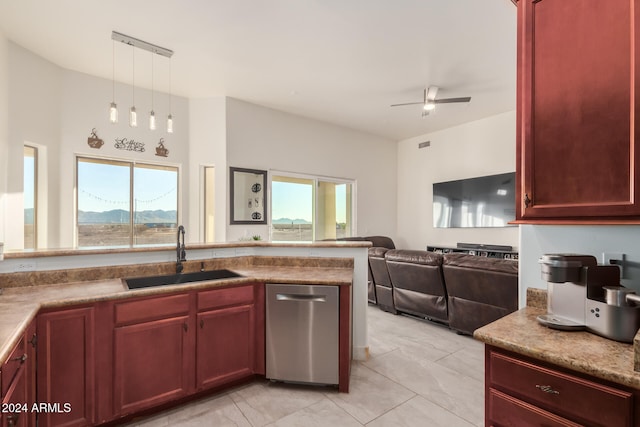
(584, 295)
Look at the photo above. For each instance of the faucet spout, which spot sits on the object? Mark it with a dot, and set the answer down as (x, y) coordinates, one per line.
(181, 253)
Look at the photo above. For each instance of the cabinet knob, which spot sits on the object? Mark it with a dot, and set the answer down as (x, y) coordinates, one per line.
(547, 389)
(12, 420)
(527, 200)
(201, 323)
(185, 326)
(20, 359)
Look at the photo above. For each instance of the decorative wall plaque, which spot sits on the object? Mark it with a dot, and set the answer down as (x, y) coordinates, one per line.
(161, 150)
(129, 145)
(94, 141)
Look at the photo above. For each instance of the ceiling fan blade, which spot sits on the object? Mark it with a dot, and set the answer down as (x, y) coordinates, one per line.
(408, 103)
(450, 100)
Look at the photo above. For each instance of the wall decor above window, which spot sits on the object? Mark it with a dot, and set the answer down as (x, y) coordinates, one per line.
(248, 196)
(94, 141)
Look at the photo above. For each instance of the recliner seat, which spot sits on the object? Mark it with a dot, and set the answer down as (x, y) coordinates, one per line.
(418, 284)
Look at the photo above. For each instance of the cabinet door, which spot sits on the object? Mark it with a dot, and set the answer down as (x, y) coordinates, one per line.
(15, 409)
(225, 345)
(151, 363)
(65, 366)
(577, 104)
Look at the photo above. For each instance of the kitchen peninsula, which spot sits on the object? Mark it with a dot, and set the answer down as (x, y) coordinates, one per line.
(89, 295)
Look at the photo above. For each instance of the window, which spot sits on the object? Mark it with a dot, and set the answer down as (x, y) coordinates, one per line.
(310, 208)
(209, 204)
(121, 203)
(30, 194)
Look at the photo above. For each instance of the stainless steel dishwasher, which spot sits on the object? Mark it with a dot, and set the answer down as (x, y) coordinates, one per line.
(302, 333)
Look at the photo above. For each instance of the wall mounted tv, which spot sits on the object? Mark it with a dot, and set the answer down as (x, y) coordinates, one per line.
(486, 201)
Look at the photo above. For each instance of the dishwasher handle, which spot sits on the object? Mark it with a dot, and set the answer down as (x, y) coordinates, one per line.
(298, 297)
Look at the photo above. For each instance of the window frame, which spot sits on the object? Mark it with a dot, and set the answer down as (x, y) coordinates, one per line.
(35, 193)
(132, 163)
(316, 179)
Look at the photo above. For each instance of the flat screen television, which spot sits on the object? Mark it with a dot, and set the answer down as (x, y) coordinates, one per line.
(486, 201)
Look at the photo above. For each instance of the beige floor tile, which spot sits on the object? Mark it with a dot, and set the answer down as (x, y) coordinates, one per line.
(419, 412)
(462, 395)
(371, 394)
(264, 402)
(321, 414)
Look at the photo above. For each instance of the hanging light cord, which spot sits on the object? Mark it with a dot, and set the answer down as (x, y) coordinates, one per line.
(169, 85)
(133, 79)
(152, 53)
(113, 71)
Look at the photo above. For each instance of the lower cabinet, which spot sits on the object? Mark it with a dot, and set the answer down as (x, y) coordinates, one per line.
(152, 355)
(65, 367)
(17, 395)
(523, 392)
(226, 336)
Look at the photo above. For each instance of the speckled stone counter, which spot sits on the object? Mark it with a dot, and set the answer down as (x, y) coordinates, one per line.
(581, 351)
(20, 304)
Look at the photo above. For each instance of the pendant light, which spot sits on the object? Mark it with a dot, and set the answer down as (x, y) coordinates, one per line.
(152, 115)
(113, 108)
(155, 50)
(170, 116)
(133, 116)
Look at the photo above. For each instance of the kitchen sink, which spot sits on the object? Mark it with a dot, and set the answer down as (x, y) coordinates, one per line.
(175, 279)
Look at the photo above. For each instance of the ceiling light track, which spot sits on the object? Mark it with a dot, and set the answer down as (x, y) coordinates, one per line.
(141, 44)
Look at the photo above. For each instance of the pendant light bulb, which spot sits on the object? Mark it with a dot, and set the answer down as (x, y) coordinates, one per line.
(133, 117)
(152, 121)
(169, 123)
(113, 113)
(113, 108)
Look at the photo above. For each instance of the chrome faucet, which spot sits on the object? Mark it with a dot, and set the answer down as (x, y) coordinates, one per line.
(181, 253)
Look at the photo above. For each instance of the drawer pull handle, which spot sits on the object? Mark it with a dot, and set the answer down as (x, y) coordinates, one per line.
(547, 389)
(20, 359)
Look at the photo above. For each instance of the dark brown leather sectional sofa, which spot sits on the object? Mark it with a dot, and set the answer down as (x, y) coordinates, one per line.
(460, 290)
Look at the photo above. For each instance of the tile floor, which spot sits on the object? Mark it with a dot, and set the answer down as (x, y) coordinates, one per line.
(419, 374)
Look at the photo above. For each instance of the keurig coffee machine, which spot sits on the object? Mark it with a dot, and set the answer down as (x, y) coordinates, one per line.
(584, 295)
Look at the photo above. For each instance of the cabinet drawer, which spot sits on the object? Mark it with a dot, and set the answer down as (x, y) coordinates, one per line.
(217, 298)
(507, 411)
(12, 364)
(561, 393)
(151, 309)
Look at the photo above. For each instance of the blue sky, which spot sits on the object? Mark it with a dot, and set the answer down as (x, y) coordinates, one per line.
(295, 201)
(105, 187)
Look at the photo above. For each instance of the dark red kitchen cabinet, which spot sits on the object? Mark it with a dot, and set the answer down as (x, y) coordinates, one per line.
(520, 391)
(18, 388)
(65, 367)
(153, 352)
(225, 345)
(577, 107)
(230, 335)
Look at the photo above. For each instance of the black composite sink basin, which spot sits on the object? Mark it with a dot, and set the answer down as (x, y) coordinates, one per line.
(175, 279)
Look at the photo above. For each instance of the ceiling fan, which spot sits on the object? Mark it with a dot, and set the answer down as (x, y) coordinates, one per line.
(429, 102)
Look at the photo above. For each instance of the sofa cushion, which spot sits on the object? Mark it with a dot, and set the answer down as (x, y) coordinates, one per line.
(416, 277)
(480, 290)
(381, 241)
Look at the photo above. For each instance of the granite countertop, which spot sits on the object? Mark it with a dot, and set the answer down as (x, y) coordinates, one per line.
(20, 305)
(580, 351)
(190, 246)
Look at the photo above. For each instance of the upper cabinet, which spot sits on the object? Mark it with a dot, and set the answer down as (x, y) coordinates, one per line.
(577, 158)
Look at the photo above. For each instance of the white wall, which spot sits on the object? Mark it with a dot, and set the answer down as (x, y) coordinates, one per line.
(4, 129)
(537, 240)
(482, 147)
(263, 138)
(57, 109)
(207, 147)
